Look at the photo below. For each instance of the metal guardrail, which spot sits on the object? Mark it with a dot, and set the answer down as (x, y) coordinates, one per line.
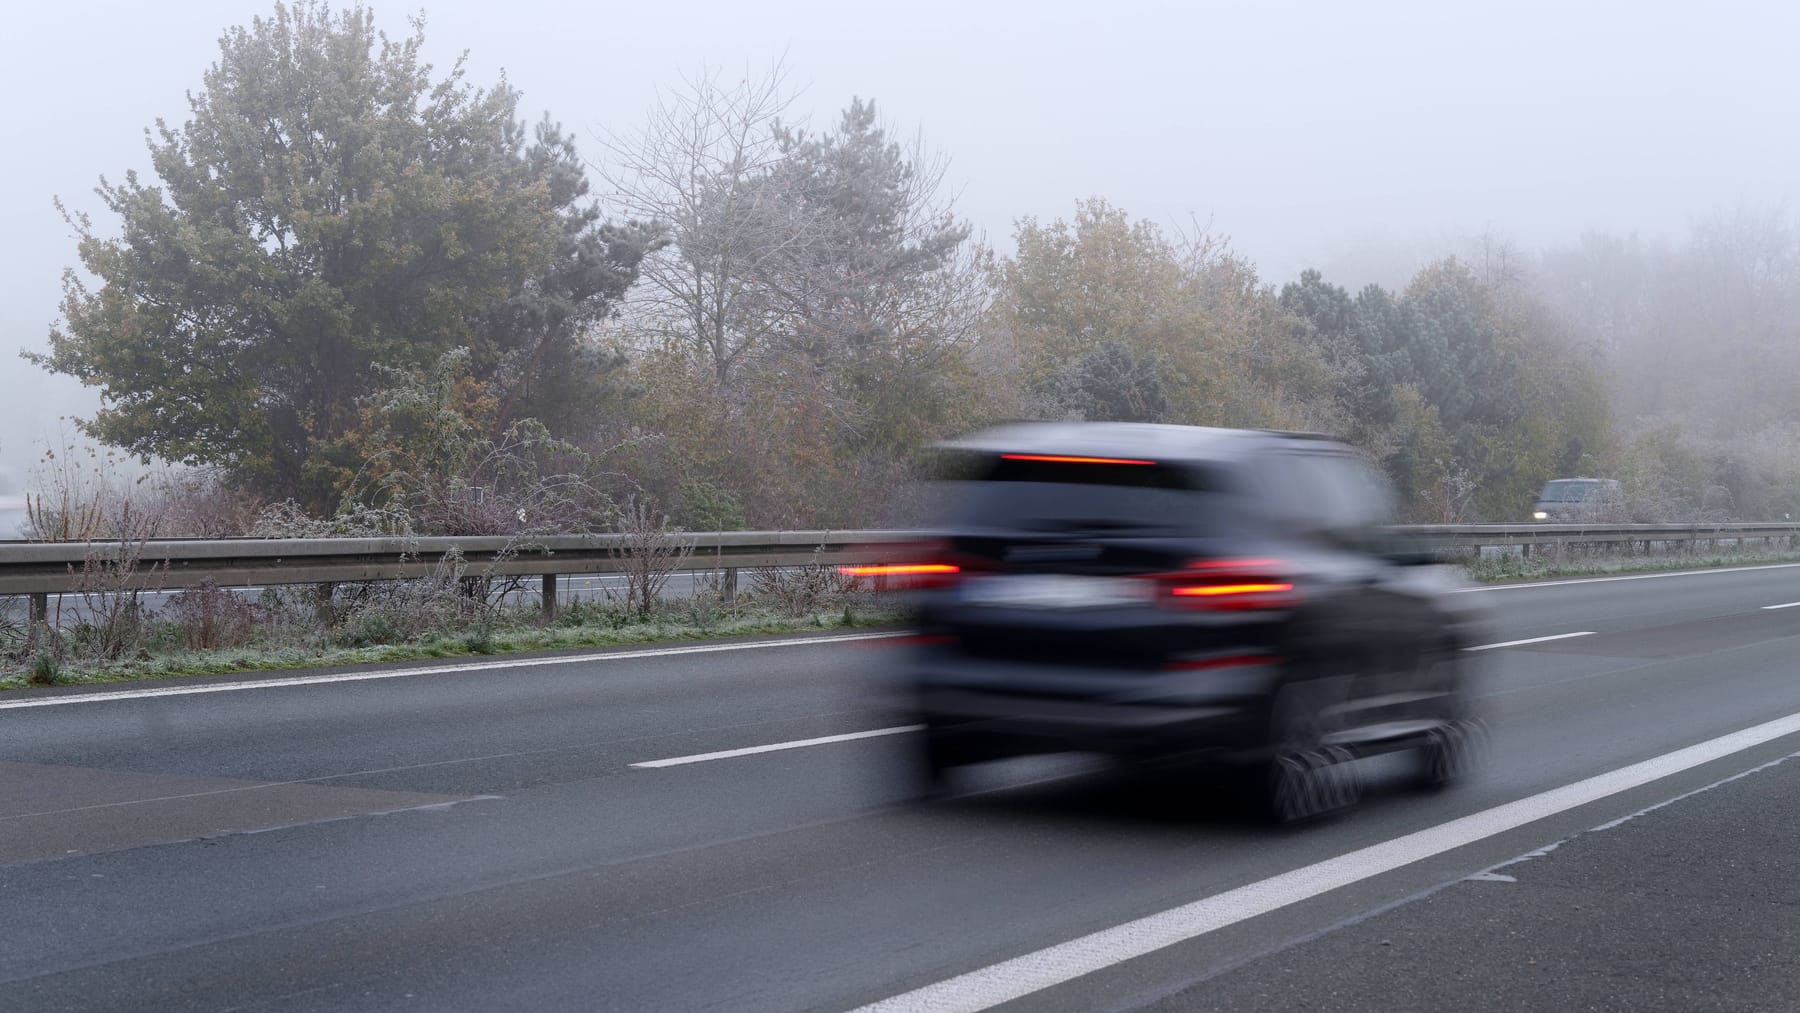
(32, 567)
(39, 569)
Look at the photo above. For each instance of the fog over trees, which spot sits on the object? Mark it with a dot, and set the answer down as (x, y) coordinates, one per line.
(360, 283)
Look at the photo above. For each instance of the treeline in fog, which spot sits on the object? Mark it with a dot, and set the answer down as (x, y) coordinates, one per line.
(364, 294)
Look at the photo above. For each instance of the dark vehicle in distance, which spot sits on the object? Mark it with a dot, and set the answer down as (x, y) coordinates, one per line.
(1149, 591)
(1578, 500)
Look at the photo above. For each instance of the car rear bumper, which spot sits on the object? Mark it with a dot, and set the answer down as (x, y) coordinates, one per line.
(1005, 708)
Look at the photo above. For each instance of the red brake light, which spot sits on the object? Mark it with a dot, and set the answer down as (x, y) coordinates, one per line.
(908, 575)
(1065, 459)
(1217, 590)
(898, 569)
(1235, 584)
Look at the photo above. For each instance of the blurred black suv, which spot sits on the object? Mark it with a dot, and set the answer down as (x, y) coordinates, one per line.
(1148, 591)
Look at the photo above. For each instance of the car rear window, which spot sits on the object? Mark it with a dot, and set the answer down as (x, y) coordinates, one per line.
(990, 491)
(1570, 491)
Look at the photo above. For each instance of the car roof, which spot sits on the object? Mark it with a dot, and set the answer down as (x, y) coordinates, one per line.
(1123, 439)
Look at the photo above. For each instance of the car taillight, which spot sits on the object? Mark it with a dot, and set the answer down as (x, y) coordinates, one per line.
(919, 567)
(1072, 459)
(1228, 585)
(905, 576)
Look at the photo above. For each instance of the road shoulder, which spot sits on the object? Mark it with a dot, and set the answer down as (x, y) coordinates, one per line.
(1694, 904)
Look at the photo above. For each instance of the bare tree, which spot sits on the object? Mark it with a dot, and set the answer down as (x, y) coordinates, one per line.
(703, 168)
(1499, 262)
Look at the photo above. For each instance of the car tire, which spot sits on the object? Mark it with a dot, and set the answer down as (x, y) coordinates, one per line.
(1304, 777)
(1457, 747)
(1451, 753)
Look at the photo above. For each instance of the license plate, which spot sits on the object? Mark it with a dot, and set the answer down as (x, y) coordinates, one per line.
(1055, 591)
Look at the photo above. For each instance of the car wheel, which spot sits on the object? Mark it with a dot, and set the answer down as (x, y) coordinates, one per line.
(1304, 777)
(1457, 748)
(1306, 785)
(1452, 752)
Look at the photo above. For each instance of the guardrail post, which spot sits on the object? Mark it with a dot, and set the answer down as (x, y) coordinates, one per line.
(728, 585)
(549, 597)
(37, 616)
(323, 592)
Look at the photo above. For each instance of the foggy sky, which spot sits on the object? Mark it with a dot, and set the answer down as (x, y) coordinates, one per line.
(1359, 138)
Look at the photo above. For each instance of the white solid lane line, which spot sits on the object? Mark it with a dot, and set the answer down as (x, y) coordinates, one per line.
(488, 666)
(1529, 640)
(726, 754)
(1054, 965)
(1783, 605)
(404, 673)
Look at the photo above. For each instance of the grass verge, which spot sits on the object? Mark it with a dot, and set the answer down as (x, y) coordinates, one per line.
(1512, 569)
(471, 643)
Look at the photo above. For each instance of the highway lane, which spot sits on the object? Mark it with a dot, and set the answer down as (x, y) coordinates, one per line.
(522, 861)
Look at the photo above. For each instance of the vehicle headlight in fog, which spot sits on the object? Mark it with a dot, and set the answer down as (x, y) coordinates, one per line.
(1539, 515)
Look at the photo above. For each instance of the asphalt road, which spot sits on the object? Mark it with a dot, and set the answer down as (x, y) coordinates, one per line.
(481, 840)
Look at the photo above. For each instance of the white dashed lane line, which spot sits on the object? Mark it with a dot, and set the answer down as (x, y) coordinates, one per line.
(823, 740)
(1530, 640)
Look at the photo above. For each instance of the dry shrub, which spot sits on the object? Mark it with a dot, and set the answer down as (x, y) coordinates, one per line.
(114, 577)
(289, 519)
(77, 492)
(650, 552)
(802, 590)
(211, 617)
(396, 611)
(201, 504)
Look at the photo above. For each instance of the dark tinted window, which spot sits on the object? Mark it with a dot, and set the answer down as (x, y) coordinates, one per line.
(1085, 497)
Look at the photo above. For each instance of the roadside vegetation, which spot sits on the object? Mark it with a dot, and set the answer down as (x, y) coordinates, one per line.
(1514, 568)
(207, 630)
